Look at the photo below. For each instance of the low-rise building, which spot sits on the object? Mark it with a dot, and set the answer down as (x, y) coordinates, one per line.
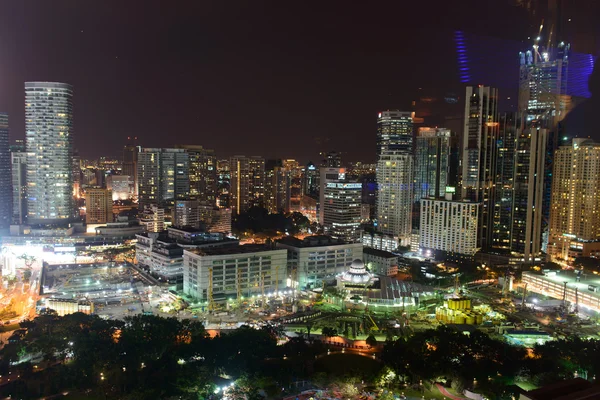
(69, 306)
(318, 259)
(380, 241)
(228, 272)
(380, 262)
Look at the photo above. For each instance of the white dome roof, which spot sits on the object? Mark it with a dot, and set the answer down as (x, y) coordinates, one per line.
(357, 273)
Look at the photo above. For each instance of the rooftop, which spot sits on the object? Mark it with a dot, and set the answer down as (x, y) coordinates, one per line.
(311, 241)
(239, 249)
(572, 389)
(378, 253)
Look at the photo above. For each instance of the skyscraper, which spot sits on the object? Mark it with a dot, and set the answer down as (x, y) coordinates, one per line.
(529, 161)
(575, 211)
(395, 174)
(49, 134)
(480, 136)
(277, 187)
(203, 174)
(505, 168)
(247, 179)
(328, 175)
(163, 176)
(19, 186)
(5, 174)
(432, 162)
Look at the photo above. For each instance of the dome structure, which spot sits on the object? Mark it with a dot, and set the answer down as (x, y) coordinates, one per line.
(357, 274)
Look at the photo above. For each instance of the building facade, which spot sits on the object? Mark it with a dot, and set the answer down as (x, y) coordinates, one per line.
(480, 134)
(19, 186)
(449, 227)
(432, 162)
(380, 241)
(394, 132)
(121, 186)
(342, 210)
(163, 176)
(202, 174)
(278, 189)
(380, 262)
(575, 211)
(6, 203)
(247, 182)
(49, 135)
(186, 213)
(153, 218)
(98, 206)
(219, 274)
(317, 259)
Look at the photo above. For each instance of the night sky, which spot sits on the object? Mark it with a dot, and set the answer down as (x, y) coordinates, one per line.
(272, 78)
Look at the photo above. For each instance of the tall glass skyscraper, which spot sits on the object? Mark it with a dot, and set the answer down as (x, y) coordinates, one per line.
(5, 174)
(49, 135)
(432, 162)
(394, 132)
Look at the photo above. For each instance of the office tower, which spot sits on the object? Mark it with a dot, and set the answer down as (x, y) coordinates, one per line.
(186, 213)
(203, 173)
(333, 159)
(130, 159)
(395, 195)
(480, 135)
(575, 211)
(49, 134)
(529, 160)
(277, 187)
(163, 176)
(328, 175)
(98, 206)
(510, 126)
(310, 182)
(394, 132)
(296, 183)
(247, 182)
(432, 162)
(19, 186)
(153, 218)
(121, 186)
(448, 228)
(5, 174)
(342, 210)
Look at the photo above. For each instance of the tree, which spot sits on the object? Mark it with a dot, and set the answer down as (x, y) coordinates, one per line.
(329, 331)
(371, 341)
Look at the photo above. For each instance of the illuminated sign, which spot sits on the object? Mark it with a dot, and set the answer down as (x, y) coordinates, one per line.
(450, 189)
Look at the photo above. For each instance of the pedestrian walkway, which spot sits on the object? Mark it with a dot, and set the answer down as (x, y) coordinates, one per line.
(447, 393)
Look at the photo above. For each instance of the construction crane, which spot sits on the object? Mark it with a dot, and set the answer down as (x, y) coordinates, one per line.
(375, 327)
(211, 301)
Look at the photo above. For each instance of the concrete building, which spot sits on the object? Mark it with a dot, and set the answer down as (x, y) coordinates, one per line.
(186, 213)
(342, 210)
(380, 241)
(432, 162)
(448, 228)
(163, 176)
(19, 187)
(216, 219)
(480, 134)
(49, 134)
(380, 262)
(395, 195)
(247, 187)
(98, 206)
(129, 164)
(278, 187)
(310, 181)
(153, 218)
(394, 132)
(575, 211)
(121, 186)
(317, 259)
(232, 272)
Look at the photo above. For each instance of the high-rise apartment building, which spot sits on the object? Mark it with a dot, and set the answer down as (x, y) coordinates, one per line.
(19, 186)
(163, 176)
(247, 177)
(186, 213)
(153, 218)
(528, 185)
(479, 150)
(203, 174)
(449, 227)
(395, 195)
(5, 174)
(575, 211)
(130, 159)
(510, 126)
(98, 206)
(394, 132)
(277, 188)
(432, 162)
(342, 210)
(49, 134)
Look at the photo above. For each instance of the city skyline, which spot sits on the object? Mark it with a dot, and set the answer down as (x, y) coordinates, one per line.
(192, 77)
